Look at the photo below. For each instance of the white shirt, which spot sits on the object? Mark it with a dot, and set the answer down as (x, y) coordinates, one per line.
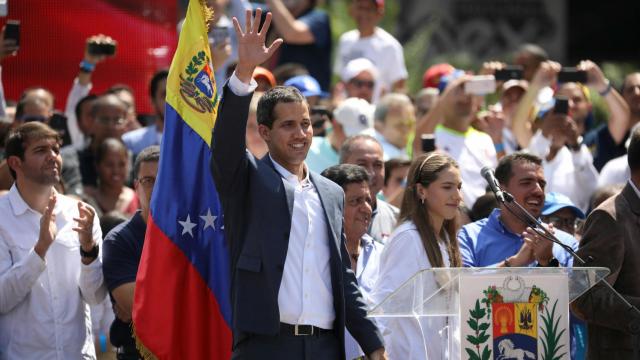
(473, 150)
(77, 92)
(408, 338)
(615, 171)
(43, 304)
(381, 48)
(570, 172)
(306, 294)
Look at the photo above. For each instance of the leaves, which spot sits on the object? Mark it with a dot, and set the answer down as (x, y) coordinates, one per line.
(486, 353)
(473, 324)
(550, 335)
(472, 355)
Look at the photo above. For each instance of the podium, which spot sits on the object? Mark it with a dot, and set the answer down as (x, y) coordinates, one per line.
(483, 313)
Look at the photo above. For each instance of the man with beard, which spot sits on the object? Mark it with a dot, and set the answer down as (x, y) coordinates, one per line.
(50, 264)
(503, 240)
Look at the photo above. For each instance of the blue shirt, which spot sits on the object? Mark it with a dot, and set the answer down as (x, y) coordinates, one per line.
(139, 139)
(316, 56)
(488, 242)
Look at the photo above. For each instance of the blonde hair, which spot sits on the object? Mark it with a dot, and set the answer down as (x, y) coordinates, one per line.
(424, 170)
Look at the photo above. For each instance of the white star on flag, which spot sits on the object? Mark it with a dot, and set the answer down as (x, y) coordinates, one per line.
(209, 220)
(187, 226)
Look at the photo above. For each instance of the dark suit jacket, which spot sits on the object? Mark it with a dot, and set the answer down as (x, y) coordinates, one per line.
(257, 216)
(612, 239)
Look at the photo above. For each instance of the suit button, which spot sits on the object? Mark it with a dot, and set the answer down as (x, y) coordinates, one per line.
(280, 267)
(286, 235)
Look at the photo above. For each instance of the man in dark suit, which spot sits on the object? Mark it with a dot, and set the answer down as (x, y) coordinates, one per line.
(612, 239)
(291, 292)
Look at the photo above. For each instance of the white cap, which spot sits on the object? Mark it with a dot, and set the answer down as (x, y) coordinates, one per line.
(355, 115)
(356, 66)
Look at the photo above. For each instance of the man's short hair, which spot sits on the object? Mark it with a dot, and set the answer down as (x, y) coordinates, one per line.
(347, 145)
(148, 154)
(387, 102)
(633, 153)
(504, 169)
(81, 103)
(19, 137)
(393, 164)
(345, 174)
(155, 81)
(106, 100)
(274, 96)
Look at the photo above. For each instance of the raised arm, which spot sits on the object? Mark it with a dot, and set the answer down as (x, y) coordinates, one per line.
(618, 108)
(228, 143)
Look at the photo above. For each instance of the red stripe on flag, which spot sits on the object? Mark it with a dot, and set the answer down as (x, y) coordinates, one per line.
(168, 313)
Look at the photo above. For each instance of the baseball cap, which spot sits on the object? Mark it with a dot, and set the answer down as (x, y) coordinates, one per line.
(355, 115)
(356, 66)
(515, 83)
(431, 77)
(307, 85)
(555, 201)
(263, 73)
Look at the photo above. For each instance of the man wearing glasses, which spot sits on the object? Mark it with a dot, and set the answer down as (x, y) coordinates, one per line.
(122, 249)
(108, 117)
(561, 212)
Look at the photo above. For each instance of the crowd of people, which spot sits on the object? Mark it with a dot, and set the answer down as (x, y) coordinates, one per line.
(391, 181)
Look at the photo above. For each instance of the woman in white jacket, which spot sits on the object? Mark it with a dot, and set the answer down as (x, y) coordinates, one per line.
(424, 239)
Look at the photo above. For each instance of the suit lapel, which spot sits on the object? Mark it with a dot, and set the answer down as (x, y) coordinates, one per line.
(288, 189)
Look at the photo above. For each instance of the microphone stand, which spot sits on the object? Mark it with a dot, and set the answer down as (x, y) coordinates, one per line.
(538, 228)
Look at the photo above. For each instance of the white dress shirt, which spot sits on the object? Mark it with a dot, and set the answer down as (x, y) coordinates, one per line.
(409, 338)
(43, 304)
(306, 295)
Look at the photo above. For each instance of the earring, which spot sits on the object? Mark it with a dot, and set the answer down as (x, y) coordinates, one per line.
(422, 201)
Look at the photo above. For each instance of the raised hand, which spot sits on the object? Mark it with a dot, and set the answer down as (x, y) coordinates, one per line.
(595, 77)
(85, 226)
(7, 46)
(546, 74)
(48, 228)
(252, 50)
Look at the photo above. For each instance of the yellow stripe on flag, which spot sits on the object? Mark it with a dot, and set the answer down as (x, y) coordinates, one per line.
(191, 87)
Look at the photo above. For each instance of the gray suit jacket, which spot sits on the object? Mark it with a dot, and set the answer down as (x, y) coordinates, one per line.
(612, 239)
(257, 216)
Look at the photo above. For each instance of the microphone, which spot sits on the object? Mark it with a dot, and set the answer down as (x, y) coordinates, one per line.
(490, 178)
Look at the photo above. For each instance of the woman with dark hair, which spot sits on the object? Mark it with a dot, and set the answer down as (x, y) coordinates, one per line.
(425, 238)
(111, 194)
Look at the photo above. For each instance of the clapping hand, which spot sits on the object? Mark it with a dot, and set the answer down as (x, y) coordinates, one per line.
(84, 226)
(252, 50)
(48, 228)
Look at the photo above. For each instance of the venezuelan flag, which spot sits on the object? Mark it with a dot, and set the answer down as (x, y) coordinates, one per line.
(182, 306)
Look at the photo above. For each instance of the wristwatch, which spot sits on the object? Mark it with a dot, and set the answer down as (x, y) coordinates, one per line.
(90, 254)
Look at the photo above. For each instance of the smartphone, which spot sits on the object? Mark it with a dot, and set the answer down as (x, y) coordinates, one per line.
(220, 34)
(509, 72)
(571, 74)
(480, 85)
(428, 142)
(561, 106)
(12, 31)
(102, 48)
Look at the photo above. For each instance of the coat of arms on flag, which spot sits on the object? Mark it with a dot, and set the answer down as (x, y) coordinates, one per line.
(520, 317)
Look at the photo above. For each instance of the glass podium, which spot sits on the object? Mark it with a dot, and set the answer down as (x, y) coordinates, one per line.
(483, 313)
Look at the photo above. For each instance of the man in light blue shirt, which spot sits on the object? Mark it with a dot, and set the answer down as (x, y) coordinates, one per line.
(501, 239)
